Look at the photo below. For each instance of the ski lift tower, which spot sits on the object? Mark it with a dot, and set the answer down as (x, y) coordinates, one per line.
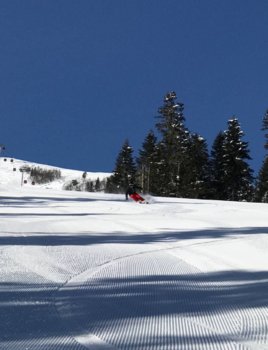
(2, 148)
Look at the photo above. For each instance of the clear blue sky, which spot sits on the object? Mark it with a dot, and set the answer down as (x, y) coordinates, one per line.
(79, 77)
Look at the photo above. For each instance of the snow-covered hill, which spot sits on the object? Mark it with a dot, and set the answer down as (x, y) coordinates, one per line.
(11, 176)
(90, 270)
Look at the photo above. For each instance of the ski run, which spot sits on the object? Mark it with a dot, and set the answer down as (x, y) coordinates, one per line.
(83, 270)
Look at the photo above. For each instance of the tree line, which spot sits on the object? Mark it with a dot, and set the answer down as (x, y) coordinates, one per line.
(175, 162)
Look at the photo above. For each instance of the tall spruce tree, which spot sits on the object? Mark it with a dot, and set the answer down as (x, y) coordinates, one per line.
(238, 176)
(148, 164)
(261, 190)
(217, 167)
(124, 172)
(265, 128)
(173, 145)
(195, 174)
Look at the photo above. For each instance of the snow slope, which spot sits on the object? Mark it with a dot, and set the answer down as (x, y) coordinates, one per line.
(11, 176)
(87, 270)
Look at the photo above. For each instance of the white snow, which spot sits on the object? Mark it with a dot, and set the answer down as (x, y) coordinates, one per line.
(91, 270)
(10, 174)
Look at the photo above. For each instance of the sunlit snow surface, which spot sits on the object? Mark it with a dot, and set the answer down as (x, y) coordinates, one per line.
(81, 270)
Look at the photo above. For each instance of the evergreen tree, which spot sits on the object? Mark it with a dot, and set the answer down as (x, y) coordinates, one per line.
(173, 146)
(238, 176)
(89, 186)
(125, 171)
(217, 167)
(195, 173)
(261, 192)
(265, 128)
(148, 164)
(97, 185)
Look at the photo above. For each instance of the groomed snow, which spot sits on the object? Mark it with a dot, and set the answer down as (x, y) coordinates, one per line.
(91, 270)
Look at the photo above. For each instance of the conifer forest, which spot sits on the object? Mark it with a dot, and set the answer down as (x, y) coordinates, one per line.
(175, 162)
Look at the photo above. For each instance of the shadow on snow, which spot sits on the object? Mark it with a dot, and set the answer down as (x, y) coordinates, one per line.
(27, 311)
(89, 238)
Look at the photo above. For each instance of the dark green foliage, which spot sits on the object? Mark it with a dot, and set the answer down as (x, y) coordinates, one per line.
(172, 149)
(85, 185)
(110, 185)
(265, 128)
(194, 174)
(89, 186)
(178, 163)
(148, 164)
(261, 193)
(41, 176)
(217, 168)
(261, 190)
(183, 161)
(238, 177)
(125, 171)
(73, 185)
(97, 185)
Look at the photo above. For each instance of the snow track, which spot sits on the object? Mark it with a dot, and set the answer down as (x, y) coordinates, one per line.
(93, 271)
(156, 301)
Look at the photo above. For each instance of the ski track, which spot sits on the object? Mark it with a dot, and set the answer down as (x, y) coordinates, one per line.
(117, 295)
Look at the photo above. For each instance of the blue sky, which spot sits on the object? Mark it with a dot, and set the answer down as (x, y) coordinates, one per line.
(79, 77)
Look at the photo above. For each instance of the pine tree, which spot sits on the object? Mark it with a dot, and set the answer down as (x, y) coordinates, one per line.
(195, 175)
(148, 164)
(265, 128)
(261, 192)
(173, 146)
(89, 186)
(217, 168)
(97, 185)
(125, 170)
(238, 176)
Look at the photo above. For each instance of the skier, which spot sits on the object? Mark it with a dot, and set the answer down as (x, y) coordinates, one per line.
(132, 193)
